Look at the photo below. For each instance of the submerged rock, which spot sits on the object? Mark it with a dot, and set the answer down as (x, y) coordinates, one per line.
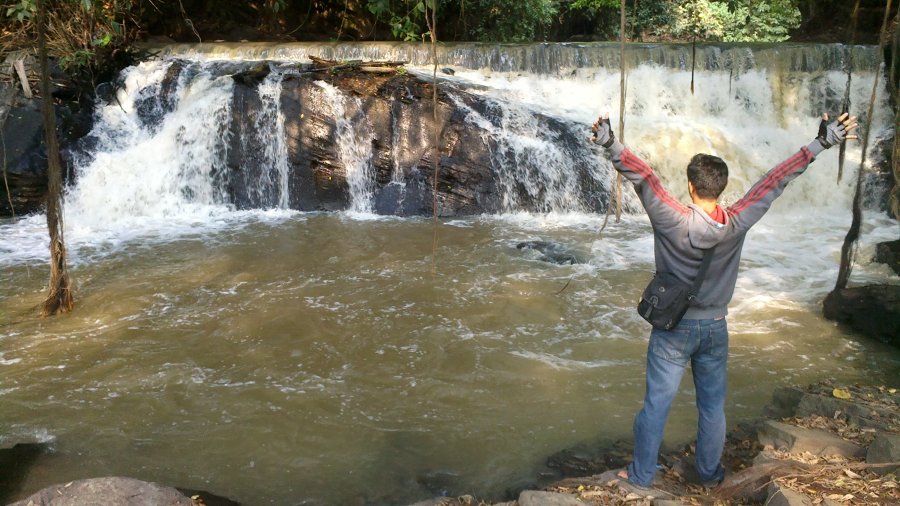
(114, 490)
(16, 462)
(872, 310)
(889, 253)
(551, 252)
(23, 153)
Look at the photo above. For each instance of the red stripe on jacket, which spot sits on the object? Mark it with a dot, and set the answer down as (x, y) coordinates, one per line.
(769, 182)
(642, 169)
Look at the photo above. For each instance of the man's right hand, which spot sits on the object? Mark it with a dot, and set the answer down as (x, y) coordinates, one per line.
(837, 131)
(602, 132)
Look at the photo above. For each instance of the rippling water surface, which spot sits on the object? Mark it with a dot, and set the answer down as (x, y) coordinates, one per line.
(282, 358)
(322, 359)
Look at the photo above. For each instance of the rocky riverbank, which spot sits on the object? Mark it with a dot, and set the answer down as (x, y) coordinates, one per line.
(826, 444)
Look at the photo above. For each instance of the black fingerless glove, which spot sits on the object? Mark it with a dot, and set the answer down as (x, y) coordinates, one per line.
(603, 134)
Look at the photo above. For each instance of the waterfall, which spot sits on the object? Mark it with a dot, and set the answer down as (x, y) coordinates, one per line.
(180, 140)
(549, 58)
(354, 148)
(752, 120)
(534, 166)
(148, 161)
(269, 184)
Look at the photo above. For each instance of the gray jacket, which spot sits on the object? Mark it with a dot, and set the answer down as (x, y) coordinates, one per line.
(681, 232)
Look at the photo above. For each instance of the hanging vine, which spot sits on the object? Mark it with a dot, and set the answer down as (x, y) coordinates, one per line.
(60, 299)
(845, 103)
(431, 8)
(621, 104)
(848, 249)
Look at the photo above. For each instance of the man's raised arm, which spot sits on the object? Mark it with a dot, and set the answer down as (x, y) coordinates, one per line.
(661, 206)
(751, 208)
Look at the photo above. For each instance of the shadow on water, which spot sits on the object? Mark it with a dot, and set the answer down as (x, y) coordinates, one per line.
(18, 462)
(15, 464)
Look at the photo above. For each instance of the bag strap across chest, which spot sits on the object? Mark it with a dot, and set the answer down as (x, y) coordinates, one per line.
(695, 286)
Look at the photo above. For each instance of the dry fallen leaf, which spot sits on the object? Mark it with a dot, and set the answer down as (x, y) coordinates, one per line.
(841, 393)
(851, 474)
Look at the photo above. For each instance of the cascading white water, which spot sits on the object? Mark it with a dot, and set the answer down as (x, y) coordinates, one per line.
(752, 120)
(164, 161)
(352, 134)
(201, 320)
(531, 159)
(270, 189)
(158, 168)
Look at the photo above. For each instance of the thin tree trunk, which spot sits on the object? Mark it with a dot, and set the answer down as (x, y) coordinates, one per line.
(848, 250)
(845, 103)
(895, 53)
(621, 106)
(436, 135)
(60, 299)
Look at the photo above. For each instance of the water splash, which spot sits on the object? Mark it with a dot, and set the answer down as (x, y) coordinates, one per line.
(168, 169)
(269, 187)
(536, 169)
(551, 58)
(353, 136)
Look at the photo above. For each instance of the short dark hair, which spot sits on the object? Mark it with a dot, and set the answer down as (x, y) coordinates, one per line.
(708, 174)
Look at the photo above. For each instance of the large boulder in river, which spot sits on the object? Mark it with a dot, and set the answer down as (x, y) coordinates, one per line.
(393, 126)
(889, 253)
(22, 153)
(114, 490)
(872, 310)
(392, 122)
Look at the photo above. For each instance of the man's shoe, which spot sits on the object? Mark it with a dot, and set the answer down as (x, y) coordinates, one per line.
(712, 483)
(620, 477)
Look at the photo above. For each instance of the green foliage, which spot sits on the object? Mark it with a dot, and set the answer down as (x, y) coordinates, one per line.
(653, 17)
(21, 11)
(736, 20)
(509, 20)
(592, 6)
(79, 32)
(769, 21)
(405, 17)
(703, 19)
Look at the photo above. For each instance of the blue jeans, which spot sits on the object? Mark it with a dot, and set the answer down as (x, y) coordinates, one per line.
(703, 343)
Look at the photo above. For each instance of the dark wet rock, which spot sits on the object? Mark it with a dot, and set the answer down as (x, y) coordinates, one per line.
(113, 490)
(154, 102)
(16, 462)
(889, 253)
(449, 71)
(24, 158)
(254, 75)
(583, 461)
(872, 310)
(884, 449)
(794, 439)
(784, 402)
(393, 120)
(860, 415)
(784, 496)
(540, 498)
(440, 483)
(551, 252)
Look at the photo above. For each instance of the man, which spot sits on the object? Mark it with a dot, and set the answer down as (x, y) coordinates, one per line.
(681, 234)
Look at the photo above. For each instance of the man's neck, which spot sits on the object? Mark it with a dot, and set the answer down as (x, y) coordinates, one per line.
(708, 205)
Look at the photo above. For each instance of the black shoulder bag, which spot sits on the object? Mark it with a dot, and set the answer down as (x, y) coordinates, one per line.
(666, 299)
